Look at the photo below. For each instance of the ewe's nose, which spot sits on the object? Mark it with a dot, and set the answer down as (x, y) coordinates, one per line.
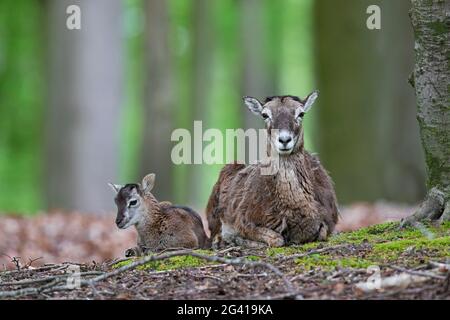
(284, 139)
(119, 220)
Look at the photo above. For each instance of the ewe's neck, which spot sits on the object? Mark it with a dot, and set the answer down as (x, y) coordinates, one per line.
(293, 185)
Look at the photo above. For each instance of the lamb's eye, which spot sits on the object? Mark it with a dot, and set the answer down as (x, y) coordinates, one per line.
(132, 203)
(301, 114)
(265, 116)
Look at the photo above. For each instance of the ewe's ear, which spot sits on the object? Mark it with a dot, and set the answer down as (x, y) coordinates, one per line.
(115, 187)
(309, 100)
(253, 104)
(148, 182)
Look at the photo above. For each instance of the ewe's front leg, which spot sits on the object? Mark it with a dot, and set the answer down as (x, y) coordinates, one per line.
(261, 234)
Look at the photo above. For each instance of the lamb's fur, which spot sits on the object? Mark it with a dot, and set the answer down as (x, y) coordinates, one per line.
(159, 225)
(293, 206)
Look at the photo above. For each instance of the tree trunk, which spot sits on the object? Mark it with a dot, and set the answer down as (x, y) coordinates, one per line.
(430, 20)
(367, 136)
(84, 101)
(258, 78)
(203, 50)
(159, 101)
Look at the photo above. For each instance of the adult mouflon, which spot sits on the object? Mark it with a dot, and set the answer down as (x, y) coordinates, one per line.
(160, 225)
(296, 204)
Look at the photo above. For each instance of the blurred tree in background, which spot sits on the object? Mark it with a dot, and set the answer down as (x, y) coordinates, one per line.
(83, 105)
(137, 69)
(367, 133)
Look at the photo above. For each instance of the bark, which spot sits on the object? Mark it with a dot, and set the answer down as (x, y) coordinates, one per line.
(430, 21)
(84, 100)
(159, 101)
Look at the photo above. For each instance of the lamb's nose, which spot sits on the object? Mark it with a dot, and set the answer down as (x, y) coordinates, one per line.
(284, 139)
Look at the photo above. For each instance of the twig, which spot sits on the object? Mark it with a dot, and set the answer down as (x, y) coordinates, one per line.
(43, 268)
(234, 261)
(47, 279)
(52, 286)
(228, 249)
(30, 261)
(417, 273)
(15, 260)
(116, 261)
(207, 276)
(440, 266)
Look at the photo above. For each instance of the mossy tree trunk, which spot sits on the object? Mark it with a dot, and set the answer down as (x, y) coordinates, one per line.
(430, 21)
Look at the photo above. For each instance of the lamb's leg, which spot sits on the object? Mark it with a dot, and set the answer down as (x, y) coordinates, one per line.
(134, 252)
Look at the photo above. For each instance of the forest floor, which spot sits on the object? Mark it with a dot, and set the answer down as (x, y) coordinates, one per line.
(376, 262)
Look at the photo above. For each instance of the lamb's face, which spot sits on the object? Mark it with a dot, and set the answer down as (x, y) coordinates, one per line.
(130, 206)
(283, 116)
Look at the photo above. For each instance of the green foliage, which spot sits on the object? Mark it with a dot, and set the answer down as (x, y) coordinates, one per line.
(21, 101)
(22, 84)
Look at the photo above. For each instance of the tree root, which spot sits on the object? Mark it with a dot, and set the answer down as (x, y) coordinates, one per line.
(433, 208)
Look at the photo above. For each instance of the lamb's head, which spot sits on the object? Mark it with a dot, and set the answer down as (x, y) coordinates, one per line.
(283, 116)
(132, 201)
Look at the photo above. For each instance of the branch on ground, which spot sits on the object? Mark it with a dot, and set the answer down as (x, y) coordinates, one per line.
(54, 283)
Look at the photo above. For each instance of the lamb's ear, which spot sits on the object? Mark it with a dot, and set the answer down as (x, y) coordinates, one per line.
(309, 100)
(148, 182)
(115, 187)
(253, 104)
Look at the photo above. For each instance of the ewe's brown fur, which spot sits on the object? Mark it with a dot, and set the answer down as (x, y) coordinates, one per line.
(293, 206)
(161, 225)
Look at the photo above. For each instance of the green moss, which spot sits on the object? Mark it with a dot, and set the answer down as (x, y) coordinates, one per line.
(386, 244)
(173, 263)
(391, 251)
(438, 27)
(253, 258)
(285, 251)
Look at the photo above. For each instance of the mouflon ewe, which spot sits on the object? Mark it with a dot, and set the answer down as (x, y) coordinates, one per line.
(296, 204)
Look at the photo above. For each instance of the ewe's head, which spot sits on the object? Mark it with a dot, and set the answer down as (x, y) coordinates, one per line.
(283, 116)
(130, 201)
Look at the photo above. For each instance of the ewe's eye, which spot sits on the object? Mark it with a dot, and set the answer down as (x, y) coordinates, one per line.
(265, 116)
(132, 203)
(300, 115)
